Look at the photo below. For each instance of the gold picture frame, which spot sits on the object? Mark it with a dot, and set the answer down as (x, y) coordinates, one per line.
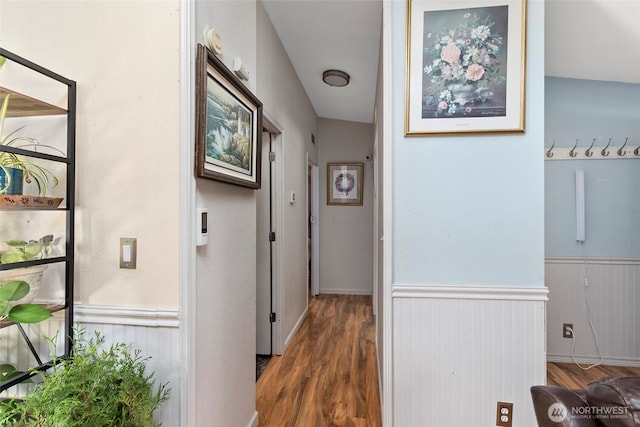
(466, 67)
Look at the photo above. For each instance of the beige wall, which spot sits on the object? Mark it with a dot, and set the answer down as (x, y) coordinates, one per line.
(225, 285)
(126, 69)
(225, 281)
(346, 232)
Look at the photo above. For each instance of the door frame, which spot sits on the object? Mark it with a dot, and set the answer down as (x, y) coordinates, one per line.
(264, 251)
(315, 231)
(277, 295)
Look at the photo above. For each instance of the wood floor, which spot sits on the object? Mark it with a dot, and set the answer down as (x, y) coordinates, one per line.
(329, 374)
(572, 376)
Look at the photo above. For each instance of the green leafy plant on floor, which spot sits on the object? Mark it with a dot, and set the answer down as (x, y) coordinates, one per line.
(97, 387)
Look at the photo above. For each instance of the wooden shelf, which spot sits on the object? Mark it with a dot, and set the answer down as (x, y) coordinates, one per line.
(24, 106)
(23, 201)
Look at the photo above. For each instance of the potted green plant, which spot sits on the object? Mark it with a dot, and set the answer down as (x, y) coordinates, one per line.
(23, 250)
(11, 293)
(14, 168)
(99, 386)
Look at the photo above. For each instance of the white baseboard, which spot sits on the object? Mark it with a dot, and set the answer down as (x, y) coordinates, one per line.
(346, 291)
(254, 420)
(295, 329)
(610, 361)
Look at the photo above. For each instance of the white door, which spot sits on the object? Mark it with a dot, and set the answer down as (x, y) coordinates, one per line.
(264, 271)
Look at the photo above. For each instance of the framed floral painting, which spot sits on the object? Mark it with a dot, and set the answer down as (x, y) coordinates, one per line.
(344, 183)
(465, 66)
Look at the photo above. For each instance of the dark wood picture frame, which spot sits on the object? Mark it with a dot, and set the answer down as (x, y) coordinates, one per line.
(228, 124)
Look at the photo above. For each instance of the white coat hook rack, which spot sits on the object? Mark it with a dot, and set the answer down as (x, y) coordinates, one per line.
(592, 152)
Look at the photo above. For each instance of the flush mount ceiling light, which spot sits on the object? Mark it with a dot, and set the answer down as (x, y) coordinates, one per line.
(335, 78)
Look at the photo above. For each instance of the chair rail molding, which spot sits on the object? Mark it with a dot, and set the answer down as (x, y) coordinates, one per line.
(471, 292)
(127, 316)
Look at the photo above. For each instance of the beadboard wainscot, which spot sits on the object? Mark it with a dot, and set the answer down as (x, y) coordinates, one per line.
(155, 332)
(613, 296)
(458, 350)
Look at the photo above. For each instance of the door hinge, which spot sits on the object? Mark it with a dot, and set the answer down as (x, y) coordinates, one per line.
(272, 156)
(272, 317)
(272, 236)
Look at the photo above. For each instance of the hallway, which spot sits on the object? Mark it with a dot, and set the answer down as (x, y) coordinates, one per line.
(328, 376)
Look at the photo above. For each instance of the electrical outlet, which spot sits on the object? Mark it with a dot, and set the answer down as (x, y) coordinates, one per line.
(504, 414)
(567, 330)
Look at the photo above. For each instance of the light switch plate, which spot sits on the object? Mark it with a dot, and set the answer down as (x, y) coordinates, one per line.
(128, 252)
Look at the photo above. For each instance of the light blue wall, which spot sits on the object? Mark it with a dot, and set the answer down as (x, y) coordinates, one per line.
(469, 210)
(586, 109)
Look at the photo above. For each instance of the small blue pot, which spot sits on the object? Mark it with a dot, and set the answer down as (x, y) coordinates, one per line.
(11, 184)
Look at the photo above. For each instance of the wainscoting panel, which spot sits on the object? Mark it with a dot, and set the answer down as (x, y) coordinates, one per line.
(613, 296)
(460, 350)
(156, 333)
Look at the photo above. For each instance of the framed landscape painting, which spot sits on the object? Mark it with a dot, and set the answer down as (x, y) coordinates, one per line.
(228, 124)
(465, 66)
(344, 183)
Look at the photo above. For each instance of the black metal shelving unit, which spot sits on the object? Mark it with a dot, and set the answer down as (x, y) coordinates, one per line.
(22, 105)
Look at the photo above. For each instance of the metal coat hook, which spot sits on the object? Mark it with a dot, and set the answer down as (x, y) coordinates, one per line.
(589, 153)
(604, 151)
(573, 152)
(550, 150)
(637, 151)
(620, 152)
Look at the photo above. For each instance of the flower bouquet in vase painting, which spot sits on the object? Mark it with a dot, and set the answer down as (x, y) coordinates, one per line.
(463, 60)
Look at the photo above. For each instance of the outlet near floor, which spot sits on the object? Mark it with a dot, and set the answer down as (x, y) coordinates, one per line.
(504, 414)
(567, 330)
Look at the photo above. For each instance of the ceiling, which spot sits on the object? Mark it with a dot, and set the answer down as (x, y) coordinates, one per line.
(593, 39)
(332, 34)
(584, 39)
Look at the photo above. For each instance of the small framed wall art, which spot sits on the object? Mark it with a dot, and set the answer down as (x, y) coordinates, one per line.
(228, 124)
(465, 66)
(344, 183)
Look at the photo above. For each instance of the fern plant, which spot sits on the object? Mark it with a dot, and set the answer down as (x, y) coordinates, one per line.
(97, 386)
